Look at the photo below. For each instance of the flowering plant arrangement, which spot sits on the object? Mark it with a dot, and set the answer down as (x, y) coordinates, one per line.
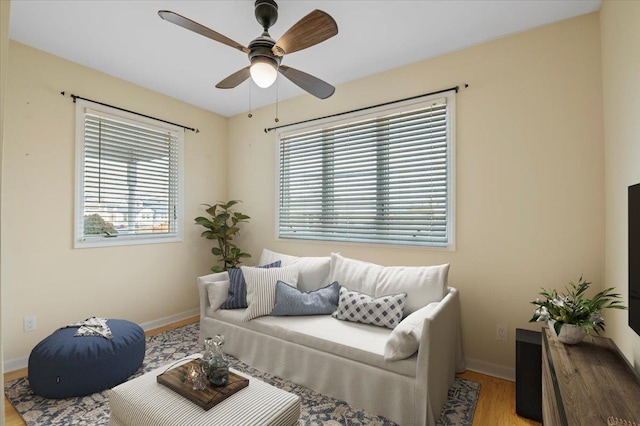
(574, 308)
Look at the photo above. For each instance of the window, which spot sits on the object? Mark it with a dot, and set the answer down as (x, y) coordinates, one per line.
(383, 177)
(128, 178)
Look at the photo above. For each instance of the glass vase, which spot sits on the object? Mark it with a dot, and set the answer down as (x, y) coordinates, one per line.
(219, 364)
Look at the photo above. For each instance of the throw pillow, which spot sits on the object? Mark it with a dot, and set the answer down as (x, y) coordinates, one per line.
(291, 301)
(261, 288)
(423, 284)
(237, 298)
(218, 292)
(385, 311)
(404, 340)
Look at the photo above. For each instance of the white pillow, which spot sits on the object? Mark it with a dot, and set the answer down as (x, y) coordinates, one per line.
(261, 288)
(269, 256)
(404, 340)
(217, 291)
(423, 284)
(355, 275)
(313, 272)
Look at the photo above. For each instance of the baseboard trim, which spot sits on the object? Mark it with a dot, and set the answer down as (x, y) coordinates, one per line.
(491, 369)
(161, 322)
(23, 362)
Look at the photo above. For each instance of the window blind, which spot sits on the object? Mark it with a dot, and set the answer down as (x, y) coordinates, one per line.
(382, 179)
(130, 178)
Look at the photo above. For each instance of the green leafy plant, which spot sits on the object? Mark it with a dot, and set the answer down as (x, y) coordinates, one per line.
(574, 308)
(222, 227)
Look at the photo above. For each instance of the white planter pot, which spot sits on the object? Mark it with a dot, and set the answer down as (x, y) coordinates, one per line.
(569, 333)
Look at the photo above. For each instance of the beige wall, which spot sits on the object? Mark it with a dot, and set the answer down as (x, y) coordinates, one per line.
(43, 275)
(530, 174)
(530, 182)
(621, 86)
(5, 7)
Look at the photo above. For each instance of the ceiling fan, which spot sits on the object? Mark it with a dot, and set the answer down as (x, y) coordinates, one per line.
(265, 54)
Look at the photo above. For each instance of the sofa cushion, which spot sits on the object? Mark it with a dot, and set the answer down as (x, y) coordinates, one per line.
(261, 287)
(290, 301)
(354, 274)
(313, 272)
(404, 340)
(269, 256)
(385, 311)
(423, 284)
(238, 287)
(354, 341)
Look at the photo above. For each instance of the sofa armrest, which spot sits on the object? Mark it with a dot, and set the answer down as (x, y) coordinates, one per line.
(202, 288)
(439, 356)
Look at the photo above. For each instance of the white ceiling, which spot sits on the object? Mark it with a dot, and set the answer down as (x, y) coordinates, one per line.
(127, 39)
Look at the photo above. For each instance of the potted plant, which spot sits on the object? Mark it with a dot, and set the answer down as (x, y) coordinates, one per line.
(572, 315)
(222, 227)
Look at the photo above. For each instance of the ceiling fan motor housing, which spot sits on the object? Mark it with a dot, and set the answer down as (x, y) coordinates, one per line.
(261, 48)
(266, 13)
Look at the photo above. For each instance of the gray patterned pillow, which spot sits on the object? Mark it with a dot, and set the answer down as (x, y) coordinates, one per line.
(291, 301)
(385, 311)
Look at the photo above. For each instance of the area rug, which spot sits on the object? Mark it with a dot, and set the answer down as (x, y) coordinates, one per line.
(172, 345)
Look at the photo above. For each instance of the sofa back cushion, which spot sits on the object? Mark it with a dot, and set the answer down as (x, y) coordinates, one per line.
(355, 275)
(269, 256)
(313, 272)
(423, 284)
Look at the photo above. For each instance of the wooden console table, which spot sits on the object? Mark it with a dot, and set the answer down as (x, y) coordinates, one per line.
(587, 383)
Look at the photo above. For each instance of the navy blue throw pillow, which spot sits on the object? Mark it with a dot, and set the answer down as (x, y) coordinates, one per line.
(238, 287)
(291, 301)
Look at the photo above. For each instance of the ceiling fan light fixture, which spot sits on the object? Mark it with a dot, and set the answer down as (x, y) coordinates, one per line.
(263, 71)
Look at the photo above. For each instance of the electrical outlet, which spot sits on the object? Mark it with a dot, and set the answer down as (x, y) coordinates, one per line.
(30, 324)
(501, 332)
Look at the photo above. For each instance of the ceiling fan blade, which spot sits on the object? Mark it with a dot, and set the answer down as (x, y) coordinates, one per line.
(314, 28)
(311, 84)
(234, 79)
(187, 23)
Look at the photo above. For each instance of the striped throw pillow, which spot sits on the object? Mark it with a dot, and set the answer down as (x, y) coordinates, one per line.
(261, 288)
(237, 298)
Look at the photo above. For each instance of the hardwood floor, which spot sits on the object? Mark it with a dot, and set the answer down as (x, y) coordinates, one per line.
(496, 405)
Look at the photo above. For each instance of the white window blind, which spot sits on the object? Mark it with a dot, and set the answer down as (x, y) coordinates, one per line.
(129, 179)
(383, 178)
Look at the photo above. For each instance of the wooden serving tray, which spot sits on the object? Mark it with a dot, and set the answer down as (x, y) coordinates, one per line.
(174, 379)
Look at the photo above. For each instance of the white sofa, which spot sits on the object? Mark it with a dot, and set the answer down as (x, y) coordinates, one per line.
(346, 360)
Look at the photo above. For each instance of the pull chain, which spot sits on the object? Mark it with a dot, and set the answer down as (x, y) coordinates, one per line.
(250, 114)
(277, 97)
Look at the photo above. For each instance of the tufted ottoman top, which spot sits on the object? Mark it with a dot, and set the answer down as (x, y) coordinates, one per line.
(63, 365)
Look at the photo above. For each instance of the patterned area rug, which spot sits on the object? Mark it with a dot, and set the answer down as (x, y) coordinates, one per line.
(167, 347)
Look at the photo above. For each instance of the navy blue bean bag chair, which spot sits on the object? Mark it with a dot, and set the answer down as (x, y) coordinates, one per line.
(64, 366)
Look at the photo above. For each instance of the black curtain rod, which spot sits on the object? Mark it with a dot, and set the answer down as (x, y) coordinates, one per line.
(74, 97)
(456, 88)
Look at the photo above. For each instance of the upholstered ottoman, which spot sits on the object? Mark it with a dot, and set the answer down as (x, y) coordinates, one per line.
(145, 402)
(64, 365)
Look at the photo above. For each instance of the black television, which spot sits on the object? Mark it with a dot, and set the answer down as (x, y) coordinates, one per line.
(634, 257)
